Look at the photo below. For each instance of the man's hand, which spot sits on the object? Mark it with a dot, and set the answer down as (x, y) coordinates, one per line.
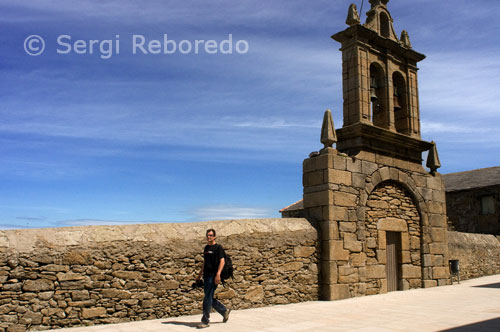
(217, 279)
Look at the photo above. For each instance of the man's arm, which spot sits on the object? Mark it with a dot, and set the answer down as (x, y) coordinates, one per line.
(219, 270)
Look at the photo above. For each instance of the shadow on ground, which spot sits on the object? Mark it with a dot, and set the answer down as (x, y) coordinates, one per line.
(495, 285)
(188, 324)
(492, 325)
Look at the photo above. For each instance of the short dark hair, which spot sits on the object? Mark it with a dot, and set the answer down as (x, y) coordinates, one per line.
(210, 230)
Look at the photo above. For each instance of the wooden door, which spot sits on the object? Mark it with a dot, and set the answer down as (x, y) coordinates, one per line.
(393, 246)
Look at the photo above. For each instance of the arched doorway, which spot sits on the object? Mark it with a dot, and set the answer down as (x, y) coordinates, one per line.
(393, 239)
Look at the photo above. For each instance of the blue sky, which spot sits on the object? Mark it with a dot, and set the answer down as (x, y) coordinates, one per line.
(189, 137)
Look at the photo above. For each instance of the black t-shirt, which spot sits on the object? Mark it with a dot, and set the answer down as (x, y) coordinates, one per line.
(212, 255)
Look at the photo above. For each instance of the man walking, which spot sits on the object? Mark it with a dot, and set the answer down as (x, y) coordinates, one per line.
(213, 262)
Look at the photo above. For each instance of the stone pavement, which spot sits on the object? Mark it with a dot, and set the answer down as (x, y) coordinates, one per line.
(474, 305)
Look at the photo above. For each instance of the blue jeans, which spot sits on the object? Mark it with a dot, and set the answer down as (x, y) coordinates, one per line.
(209, 301)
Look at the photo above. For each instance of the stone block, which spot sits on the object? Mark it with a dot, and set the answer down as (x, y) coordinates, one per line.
(384, 160)
(438, 234)
(134, 275)
(292, 266)
(382, 256)
(329, 230)
(436, 207)
(435, 182)
(354, 165)
(358, 180)
(366, 156)
(437, 220)
(31, 318)
(93, 312)
(385, 173)
(392, 224)
(77, 257)
(411, 271)
(351, 242)
(338, 177)
(317, 199)
(405, 257)
(382, 242)
(38, 285)
(401, 164)
(368, 167)
(438, 248)
(383, 286)
(118, 294)
(337, 251)
(405, 241)
(439, 196)
(255, 294)
(414, 243)
(358, 259)
(303, 251)
(349, 227)
(348, 275)
(339, 162)
(378, 204)
(371, 243)
(427, 260)
(312, 179)
(314, 213)
(440, 272)
(339, 292)
(80, 295)
(438, 260)
(70, 276)
(375, 271)
(329, 272)
(340, 213)
(344, 199)
(420, 180)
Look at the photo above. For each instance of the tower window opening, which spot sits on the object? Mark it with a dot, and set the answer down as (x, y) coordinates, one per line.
(384, 25)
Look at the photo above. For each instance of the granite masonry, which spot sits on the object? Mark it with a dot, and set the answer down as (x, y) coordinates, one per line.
(52, 278)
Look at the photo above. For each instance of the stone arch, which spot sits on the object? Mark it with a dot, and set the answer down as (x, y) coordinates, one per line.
(391, 209)
(394, 174)
(378, 96)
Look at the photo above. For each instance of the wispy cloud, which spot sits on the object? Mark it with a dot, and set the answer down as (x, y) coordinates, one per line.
(225, 212)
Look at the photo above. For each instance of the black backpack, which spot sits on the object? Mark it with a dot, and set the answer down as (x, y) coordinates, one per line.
(227, 270)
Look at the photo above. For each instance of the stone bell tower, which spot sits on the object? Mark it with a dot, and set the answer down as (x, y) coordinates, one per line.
(381, 215)
(380, 87)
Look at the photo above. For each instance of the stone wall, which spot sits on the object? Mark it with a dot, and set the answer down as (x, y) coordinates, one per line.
(479, 254)
(63, 277)
(464, 211)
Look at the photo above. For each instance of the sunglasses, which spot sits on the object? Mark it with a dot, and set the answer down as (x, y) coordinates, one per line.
(210, 235)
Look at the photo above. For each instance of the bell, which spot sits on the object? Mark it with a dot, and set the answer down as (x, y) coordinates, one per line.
(397, 97)
(373, 89)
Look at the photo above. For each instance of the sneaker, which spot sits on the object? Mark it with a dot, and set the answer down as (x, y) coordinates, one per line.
(226, 316)
(202, 325)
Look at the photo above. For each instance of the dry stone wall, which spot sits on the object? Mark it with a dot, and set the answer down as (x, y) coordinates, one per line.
(52, 278)
(478, 254)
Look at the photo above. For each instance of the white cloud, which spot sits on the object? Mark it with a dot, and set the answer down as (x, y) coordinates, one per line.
(225, 212)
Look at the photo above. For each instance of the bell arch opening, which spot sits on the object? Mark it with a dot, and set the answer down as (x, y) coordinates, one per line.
(400, 105)
(384, 25)
(378, 96)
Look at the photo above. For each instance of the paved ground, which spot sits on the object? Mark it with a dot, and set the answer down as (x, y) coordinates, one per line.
(474, 305)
